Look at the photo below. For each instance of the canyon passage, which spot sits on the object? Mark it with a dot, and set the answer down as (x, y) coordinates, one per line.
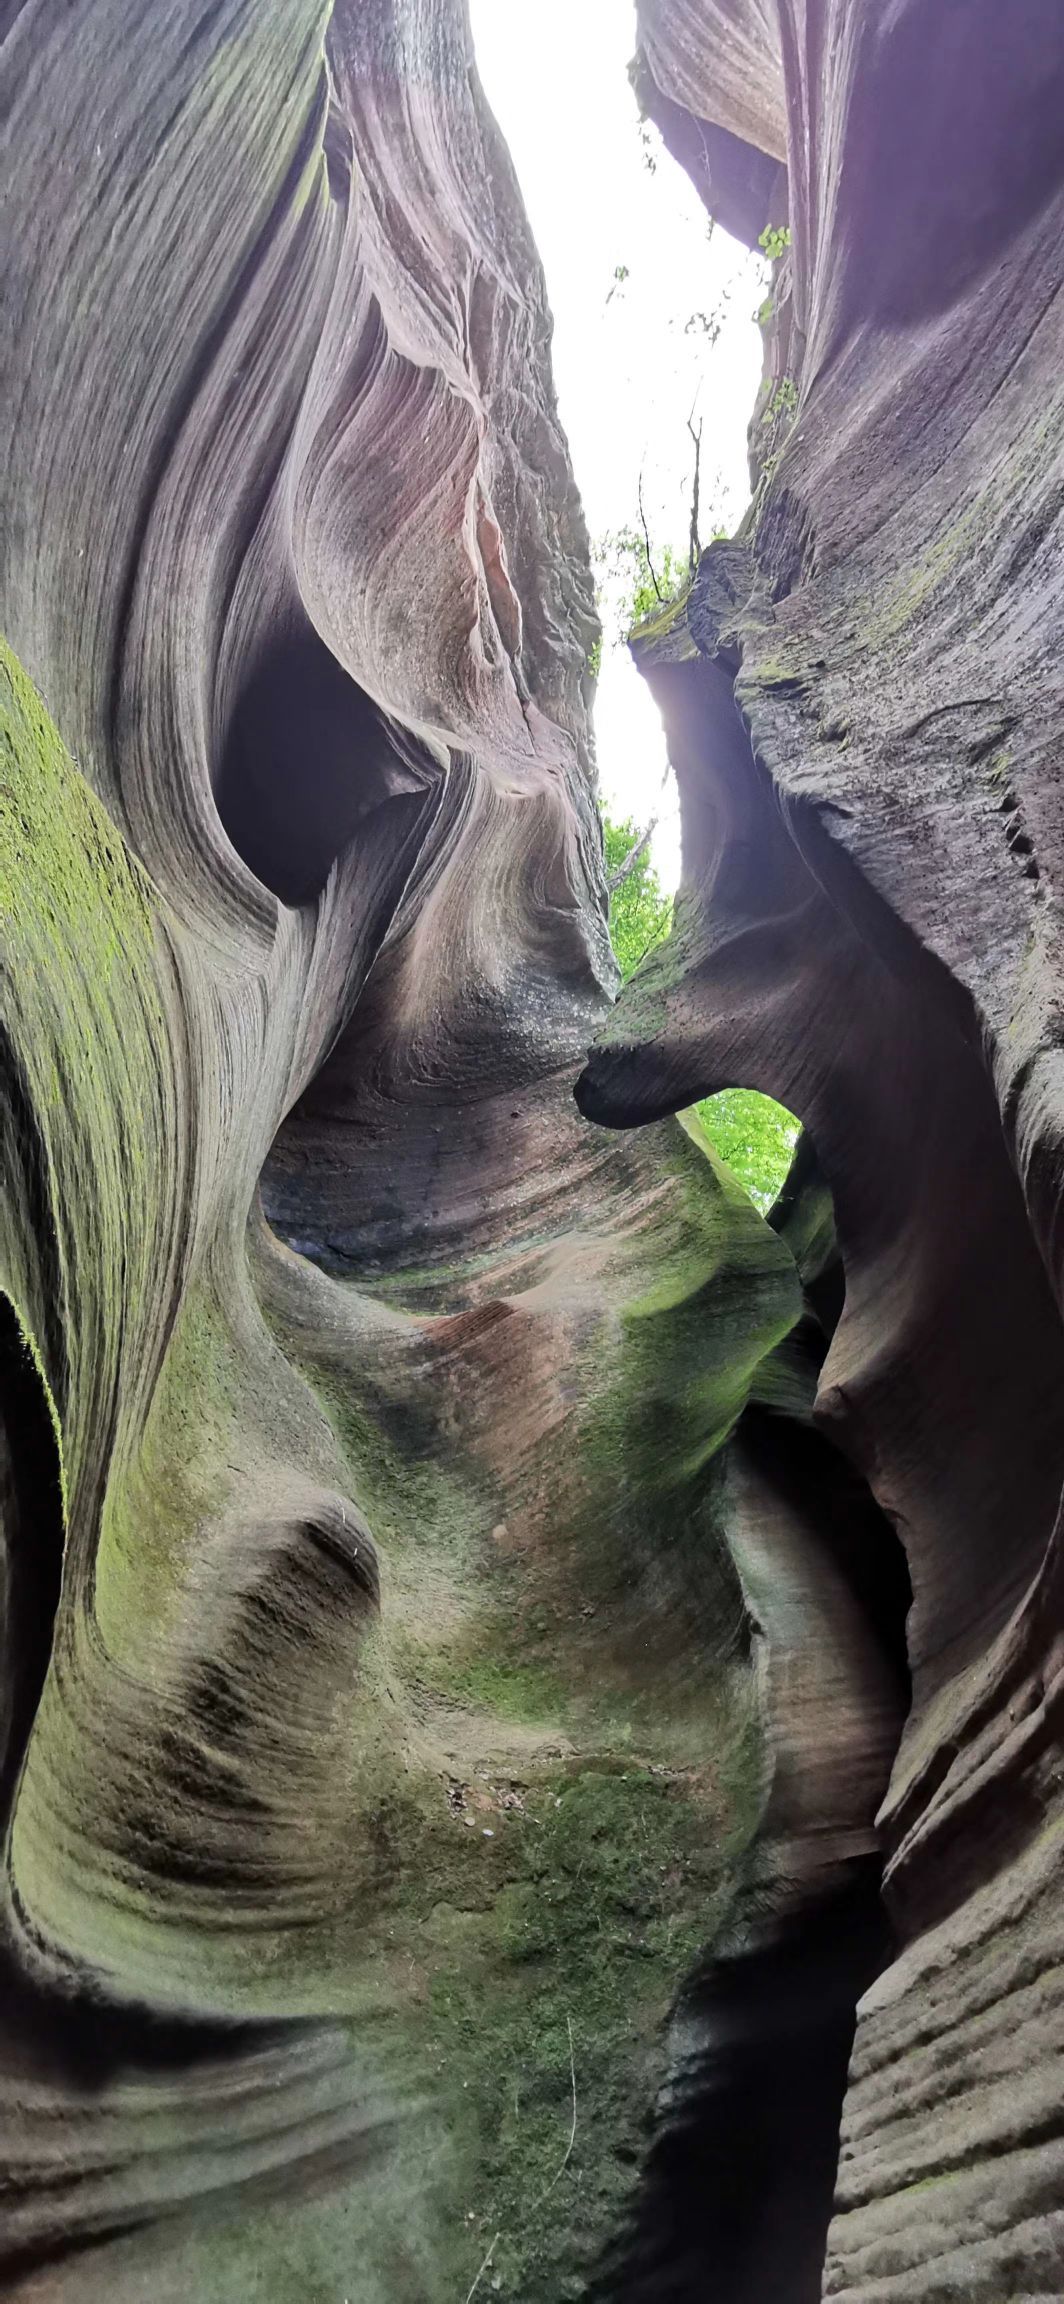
(531, 1718)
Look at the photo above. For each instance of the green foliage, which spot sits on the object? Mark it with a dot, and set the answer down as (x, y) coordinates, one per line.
(640, 913)
(625, 589)
(783, 402)
(752, 1133)
(672, 573)
(773, 240)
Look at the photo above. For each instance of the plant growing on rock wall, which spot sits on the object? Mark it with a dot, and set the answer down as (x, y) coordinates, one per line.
(773, 240)
(773, 243)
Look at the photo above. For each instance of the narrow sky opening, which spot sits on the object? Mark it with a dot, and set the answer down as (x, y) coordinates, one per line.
(654, 326)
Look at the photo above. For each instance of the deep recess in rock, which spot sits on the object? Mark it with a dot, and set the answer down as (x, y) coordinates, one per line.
(738, 2187)
(31, 1543)
(510, 1658)
(304, 762)
(738, 2184)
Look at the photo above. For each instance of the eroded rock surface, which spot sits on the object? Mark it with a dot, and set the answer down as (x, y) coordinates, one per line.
(469, 1584)
(432, 1629)
(863, 700)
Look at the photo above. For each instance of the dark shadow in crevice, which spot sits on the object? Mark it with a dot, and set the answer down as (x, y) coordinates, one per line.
(787, 967)
(803, 1216)
(867, 1553)
(737, 2192)
(31, 1545)
(306, 757)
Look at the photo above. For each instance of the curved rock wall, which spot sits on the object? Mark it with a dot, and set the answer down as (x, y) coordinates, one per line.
(417, 1564)
(469, 1586)
(869, 930)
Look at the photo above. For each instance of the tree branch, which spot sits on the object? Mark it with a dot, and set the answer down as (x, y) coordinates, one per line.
(695, 548)
(627, 865)
(646, 540)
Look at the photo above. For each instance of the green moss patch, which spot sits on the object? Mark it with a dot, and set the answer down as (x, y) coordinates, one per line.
(547, 1965)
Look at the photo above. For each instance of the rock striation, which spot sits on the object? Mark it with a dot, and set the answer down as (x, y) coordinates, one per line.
(478, 1602)
(397, 1705)
(863, 702)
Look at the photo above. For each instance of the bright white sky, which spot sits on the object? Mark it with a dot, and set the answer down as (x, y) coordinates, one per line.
(626, 364)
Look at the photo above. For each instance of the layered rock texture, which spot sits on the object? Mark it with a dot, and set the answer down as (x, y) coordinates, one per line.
(469, 1586)
(870, 930)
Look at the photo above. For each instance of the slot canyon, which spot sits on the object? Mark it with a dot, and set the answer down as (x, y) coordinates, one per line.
(532, 1690)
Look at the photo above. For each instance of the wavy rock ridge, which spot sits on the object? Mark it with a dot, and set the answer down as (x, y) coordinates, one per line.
(870, 930)
(391, 1720)
(455, 1557)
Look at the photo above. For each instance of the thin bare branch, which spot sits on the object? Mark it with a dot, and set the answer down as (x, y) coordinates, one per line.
(646, 540)
(627, 865)
(695, 548)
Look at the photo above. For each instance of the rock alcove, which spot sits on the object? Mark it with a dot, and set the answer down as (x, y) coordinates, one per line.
(531, 1728)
